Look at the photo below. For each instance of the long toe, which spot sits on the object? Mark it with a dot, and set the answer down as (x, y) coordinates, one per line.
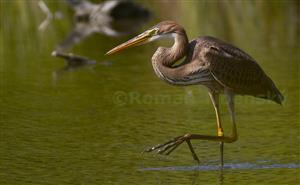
(168, 147)
(160, 145)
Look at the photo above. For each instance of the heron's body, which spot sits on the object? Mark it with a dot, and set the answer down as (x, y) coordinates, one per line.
(217, 65)
(220, 66)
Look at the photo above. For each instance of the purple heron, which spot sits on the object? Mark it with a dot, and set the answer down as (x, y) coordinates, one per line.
(220, 66)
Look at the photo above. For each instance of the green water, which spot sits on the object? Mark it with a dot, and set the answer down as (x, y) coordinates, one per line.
(90, 125)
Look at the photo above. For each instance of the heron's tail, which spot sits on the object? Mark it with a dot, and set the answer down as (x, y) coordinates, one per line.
(278, 97)
(271, 92)
(275, 94)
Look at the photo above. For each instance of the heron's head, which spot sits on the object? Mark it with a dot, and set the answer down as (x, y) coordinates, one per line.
(165, 29)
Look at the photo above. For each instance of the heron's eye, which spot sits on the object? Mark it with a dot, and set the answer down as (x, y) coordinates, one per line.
(153, 31)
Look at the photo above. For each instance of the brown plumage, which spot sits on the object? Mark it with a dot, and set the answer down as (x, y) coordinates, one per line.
(228, 66)
(220, 66)
(232, 68)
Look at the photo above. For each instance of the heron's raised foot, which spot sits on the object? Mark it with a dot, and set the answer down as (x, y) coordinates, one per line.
(168, 147)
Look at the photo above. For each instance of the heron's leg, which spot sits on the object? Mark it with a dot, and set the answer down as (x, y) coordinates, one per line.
(215, 101)
(230, 103)
(171, 145)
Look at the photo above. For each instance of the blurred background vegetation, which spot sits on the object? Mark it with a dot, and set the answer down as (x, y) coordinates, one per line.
(270, 24)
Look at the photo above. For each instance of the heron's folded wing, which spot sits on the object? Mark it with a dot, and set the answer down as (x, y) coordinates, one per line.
(235, 69)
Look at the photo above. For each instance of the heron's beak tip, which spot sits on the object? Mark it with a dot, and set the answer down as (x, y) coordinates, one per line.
(132, 42)
(112, 51)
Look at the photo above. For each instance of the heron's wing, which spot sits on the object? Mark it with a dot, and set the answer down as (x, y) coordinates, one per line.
(234, 69)
(242, 74)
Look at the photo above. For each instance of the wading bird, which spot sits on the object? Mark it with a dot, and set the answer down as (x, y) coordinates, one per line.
(220, 66)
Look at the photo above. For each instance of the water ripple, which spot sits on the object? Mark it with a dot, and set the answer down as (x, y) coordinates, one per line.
(239, 166)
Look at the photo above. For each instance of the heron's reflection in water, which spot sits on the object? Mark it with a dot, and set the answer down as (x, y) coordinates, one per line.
(111, 18)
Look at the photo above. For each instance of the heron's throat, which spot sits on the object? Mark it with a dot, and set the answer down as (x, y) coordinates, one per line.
(164, 59)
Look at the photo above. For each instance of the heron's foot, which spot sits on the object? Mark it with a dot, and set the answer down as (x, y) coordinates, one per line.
(168, 147)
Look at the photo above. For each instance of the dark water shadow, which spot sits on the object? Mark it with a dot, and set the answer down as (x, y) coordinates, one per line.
(237, 166)
(74, 62)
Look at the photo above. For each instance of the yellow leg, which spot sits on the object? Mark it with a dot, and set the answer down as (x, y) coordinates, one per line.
(215, 101)
(171, 145)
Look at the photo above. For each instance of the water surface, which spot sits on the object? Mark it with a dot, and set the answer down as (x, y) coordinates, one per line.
(89, 125)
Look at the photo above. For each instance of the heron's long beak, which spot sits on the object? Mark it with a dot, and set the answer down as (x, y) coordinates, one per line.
(140, 39)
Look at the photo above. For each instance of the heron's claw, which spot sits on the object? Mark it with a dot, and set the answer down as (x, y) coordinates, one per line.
(168, 147)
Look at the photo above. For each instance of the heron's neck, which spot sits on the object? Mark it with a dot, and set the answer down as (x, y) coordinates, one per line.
(164, 58)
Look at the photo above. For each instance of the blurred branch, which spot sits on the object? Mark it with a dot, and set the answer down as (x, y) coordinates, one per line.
(49, 15)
